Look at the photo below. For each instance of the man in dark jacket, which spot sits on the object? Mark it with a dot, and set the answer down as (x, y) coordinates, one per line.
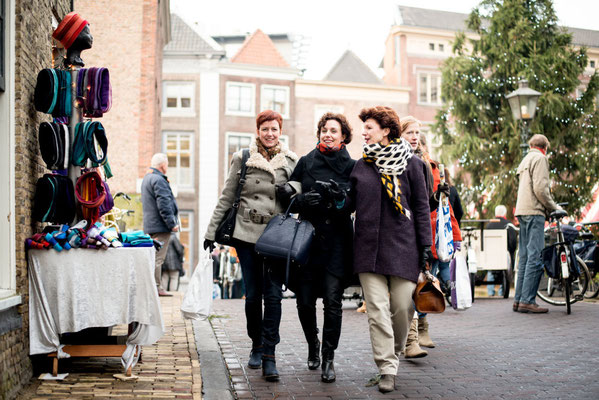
(159, 211)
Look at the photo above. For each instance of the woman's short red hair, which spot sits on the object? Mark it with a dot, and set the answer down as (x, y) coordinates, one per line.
(269, 115)
(385, 116)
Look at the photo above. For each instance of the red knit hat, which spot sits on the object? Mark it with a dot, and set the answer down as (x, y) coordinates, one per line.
(69, 28)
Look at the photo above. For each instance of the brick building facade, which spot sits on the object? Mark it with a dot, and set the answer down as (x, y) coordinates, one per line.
(26, 32)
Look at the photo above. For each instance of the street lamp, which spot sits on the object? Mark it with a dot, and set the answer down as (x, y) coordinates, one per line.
(523, 102)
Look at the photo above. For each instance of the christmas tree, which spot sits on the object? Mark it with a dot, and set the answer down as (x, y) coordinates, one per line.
(518, 39)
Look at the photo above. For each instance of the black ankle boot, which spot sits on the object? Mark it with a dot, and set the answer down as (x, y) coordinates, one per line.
(313, 352)
(269, 368)
(328, 367)
(255, 361)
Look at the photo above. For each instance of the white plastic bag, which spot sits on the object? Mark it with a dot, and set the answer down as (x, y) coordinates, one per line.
(443, 232)
(197, 302)
(462, 284)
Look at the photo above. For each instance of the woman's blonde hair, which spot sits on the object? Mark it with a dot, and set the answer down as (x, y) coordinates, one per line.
(407, 121)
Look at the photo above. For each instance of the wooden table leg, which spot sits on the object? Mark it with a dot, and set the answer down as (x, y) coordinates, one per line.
(55, 366)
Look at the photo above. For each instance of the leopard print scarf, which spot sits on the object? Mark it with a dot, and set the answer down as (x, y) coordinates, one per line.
(268, 154)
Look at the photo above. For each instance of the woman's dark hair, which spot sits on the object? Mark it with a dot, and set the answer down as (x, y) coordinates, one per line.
(269, 115)
(346, 130)
(385, 116)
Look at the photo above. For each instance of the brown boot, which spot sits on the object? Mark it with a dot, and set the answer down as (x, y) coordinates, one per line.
(423, 338)
(413, 349)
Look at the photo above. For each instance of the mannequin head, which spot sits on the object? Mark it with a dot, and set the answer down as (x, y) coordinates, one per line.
(74, 35)
(84, 41)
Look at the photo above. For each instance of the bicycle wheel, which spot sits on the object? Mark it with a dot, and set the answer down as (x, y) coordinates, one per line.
(579, 286)
(547, 288)
(593, 286)
(576, 288)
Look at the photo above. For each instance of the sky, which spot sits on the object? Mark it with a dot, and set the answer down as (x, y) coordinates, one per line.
(332, 26)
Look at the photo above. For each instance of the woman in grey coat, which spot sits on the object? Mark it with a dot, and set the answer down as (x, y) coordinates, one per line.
(270, 163)
(392, 234)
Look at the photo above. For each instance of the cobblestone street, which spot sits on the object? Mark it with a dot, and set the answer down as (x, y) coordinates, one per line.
(486, 352)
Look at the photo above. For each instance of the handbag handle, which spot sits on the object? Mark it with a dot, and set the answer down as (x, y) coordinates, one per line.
(289, 254)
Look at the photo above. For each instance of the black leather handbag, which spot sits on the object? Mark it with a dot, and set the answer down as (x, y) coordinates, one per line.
(286, 238)
(224, 231)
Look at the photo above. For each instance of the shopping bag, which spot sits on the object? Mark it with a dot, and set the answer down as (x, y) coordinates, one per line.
(461, 291)
(443, 232)
(197, 302)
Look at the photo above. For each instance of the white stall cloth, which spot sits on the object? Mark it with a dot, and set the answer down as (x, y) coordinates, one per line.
(83, 288)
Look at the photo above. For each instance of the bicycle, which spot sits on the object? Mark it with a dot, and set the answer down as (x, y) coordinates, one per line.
(564, 283)
(586, 248)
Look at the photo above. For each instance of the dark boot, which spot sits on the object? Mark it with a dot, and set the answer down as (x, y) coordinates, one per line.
(255, 361)
(328, 367)
(269, 368)
(313, 353)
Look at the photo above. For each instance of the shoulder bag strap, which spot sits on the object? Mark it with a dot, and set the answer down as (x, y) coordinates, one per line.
(244, 158)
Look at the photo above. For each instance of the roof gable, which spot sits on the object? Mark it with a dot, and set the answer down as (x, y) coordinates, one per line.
(350, 68)
(186, 40)
(259, 49)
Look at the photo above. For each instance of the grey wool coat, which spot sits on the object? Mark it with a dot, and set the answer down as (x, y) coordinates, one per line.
(385, 241)
(258, 200)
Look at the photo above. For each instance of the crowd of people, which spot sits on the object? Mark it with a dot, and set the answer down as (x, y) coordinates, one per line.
(374, 221)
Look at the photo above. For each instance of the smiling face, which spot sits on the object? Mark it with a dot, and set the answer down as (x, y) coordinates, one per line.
(412, 135)
(269, 133)
(373, 133)
(330, 134)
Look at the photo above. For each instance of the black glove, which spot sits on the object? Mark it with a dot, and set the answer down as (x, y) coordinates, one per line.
(209, 244)
(312, 198)
(426, 257)
(337, 193)
(284, 192)
(442, 188)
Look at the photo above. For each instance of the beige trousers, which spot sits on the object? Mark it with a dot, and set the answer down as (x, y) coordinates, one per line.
(163, 237)
(390, 312)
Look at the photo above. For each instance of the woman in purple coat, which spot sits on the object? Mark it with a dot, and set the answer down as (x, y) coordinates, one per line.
(392, 234)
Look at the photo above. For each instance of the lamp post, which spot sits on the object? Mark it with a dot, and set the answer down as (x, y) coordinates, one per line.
(523, 103)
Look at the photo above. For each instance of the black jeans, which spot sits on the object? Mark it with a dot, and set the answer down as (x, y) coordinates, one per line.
(264, 331)
(332, 295)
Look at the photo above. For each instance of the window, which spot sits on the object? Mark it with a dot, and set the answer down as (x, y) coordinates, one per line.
(240, 98)
(592, 63)
(235, 142)
(179, 98)
(429, 88)
(275, 98)
(186, 239)
(431, 46)
(178, 146)
(441, 47)
(397, 49)
(321, 109)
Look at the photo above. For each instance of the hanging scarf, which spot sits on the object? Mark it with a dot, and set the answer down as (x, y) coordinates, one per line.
(268, 154)
(391, 161)
(324, 149)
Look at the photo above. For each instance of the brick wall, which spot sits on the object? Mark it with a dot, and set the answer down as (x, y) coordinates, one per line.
(33, 51)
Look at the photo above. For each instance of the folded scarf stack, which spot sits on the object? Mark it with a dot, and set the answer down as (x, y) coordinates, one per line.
(55, 145)
(136, 239)
(94, 92)
(53, 92)
(60, 237)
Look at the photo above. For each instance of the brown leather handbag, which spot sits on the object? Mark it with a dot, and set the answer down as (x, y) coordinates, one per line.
(428, 296)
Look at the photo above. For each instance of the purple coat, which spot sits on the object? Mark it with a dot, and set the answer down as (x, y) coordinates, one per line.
(385, 241)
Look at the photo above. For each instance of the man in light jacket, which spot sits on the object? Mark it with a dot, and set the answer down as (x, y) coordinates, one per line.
(533, 204)
(159, 211)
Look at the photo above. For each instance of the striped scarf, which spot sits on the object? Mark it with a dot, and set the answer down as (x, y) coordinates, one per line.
(391, 161)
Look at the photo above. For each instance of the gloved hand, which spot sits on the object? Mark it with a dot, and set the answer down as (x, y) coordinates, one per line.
(337, 193)
(426, 257)
(284, 192)
(312, 198)
(457, 246)
(209, 244)
(442, 188)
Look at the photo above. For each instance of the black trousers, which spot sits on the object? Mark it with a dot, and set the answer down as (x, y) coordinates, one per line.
(263, 330)
(331, 288)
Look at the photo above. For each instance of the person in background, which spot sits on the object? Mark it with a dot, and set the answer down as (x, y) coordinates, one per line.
(172, 268)
(512, 243)
(159, 211)
(319, 184)
(454, 199)
(270, 163)
(533, 204)
(392, 237)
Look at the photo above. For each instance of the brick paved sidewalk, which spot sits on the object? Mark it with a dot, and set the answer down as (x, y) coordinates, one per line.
(486, 352)
(170, 368)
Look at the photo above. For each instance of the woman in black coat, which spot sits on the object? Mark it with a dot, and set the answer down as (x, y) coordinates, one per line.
(322, 178)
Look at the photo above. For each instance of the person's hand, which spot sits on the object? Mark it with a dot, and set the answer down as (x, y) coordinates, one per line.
(442, 188)
(209, 244)
(284, 192)
(426, 257)
(457, 246)
(336, 192)
(175, 229)
(312, 198)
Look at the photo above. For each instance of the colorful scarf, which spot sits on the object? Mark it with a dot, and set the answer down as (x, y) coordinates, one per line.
(391, 161)
(268, 154)
(324, 149)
